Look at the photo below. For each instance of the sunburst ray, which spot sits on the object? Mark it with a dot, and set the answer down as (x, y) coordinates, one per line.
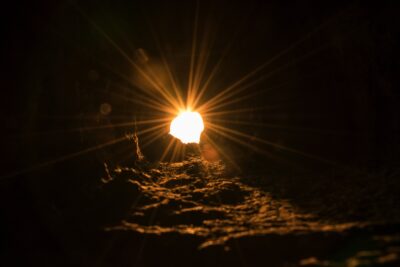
(237, 133)
(61, 159)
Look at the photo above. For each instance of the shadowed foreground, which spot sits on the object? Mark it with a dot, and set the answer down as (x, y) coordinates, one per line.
(197, 213)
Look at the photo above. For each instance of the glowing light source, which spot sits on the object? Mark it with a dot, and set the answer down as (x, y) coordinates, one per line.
(187, 127)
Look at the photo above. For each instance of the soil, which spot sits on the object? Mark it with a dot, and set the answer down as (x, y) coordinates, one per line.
(198, 213)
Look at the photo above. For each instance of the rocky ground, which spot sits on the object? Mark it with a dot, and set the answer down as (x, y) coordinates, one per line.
(197, 213)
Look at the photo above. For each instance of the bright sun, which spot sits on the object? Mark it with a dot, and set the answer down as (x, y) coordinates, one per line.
(187, 127)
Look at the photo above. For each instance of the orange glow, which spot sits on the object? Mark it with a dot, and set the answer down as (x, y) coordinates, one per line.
(187, 127)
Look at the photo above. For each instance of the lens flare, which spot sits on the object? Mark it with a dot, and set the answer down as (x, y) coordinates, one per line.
(187, 127)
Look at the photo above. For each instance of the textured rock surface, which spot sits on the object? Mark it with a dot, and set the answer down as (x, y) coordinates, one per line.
(197, 211)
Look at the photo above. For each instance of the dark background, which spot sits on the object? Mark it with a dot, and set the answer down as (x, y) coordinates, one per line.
(333, 95)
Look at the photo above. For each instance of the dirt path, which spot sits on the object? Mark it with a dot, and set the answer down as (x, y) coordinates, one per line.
(195, 213)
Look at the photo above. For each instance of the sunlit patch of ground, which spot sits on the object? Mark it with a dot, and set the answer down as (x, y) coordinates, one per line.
(203, 202)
